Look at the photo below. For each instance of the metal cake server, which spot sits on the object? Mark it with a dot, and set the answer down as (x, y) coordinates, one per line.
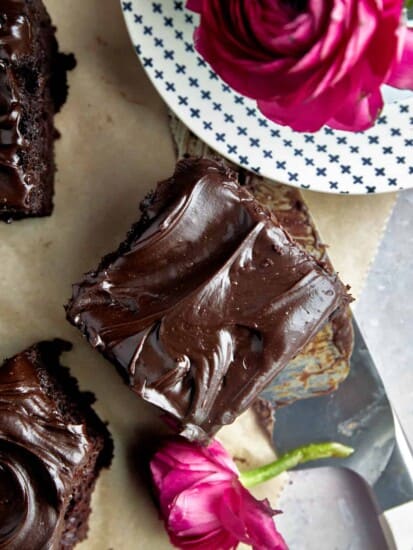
(358, 414)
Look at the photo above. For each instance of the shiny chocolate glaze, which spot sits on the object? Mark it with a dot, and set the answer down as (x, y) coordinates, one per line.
(39, 452)
(206, 301)
(15, 37)
(15, 29)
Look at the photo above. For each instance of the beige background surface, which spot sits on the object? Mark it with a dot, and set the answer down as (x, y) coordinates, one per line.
(115, 145)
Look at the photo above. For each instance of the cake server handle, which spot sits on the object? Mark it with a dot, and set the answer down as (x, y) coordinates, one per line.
(397, 521)
(397, 526)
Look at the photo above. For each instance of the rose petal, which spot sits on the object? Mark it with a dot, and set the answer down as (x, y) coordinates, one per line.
(178, 481)
(194, 511)
(358, 116)
(193, 519)
(180, 453)
(250, 520)
(219, 539)
(402, 74)
(194, 5)
(260, 525)
(220, 456)
(309, 115)
(180, 466)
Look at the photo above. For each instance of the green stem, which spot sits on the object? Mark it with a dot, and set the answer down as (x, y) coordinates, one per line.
(289, 460)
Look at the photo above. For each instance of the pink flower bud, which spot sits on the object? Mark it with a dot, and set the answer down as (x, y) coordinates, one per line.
(203, 503)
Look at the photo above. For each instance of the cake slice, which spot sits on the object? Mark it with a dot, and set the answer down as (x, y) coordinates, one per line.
(206, 301)
(324, 363)
(32, 89)
(52, 448)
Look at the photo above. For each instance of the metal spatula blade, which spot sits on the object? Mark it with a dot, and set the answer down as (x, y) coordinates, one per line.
(358, 414)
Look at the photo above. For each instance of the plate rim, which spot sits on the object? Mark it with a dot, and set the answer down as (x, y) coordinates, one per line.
(166, 98)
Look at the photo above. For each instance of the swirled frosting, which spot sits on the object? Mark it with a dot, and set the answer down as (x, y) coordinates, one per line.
(39, 453)
(206, 300)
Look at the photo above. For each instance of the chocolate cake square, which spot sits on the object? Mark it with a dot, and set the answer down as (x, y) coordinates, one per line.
(52, 448)
(206, 300)
(32, 88)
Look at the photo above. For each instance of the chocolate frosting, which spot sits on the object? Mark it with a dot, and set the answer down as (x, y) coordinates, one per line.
(206, 302)
(38, 454)
(15, 30)
(15, 38)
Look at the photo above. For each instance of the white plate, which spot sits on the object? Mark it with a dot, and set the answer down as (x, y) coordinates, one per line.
(376, 161)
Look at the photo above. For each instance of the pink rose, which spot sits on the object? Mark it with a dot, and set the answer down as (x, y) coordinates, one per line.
(203, 503)
(308, 62)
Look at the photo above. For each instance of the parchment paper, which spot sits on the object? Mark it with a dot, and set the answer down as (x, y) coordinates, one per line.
(115, 146)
